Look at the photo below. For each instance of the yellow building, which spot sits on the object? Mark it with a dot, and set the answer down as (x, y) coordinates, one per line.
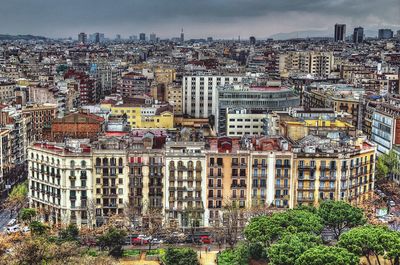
(164, 75)
(174, 97)
(298, 129)
(326, 170)
(144, 116)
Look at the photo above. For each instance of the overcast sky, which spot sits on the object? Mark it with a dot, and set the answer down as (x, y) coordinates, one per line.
(199, 18)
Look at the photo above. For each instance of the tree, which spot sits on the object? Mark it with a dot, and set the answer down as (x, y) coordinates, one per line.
(290, 247)
(180, 256)
(340, 216)
(232, 219)
(152, 223)
(268, 229)
(328, 256)
(17, 197)
(388, 165)
(38, 228)
(238, 256)
(364, 241)
(27, 214)
(71, 233)
(391, 243)
(30, 251)
(112, 240)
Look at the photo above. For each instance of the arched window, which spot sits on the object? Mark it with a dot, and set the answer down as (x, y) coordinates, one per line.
(180, 163)
(83, 163)
(32, 155)
(72, 164)
(52, 160)
(105, 161)
(42, 158)
(58, 161)
(113, 161)
(98, 162)
(47, 159)
(190, 164)
(120, 162)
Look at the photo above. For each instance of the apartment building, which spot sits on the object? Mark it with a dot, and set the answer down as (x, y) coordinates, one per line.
(61, 182)
(241, 122)
(191, 180)
(7, 90)
(227, 178)
(253, 99)
(200, 95)
(42, 117)
(324, 169)
(315, 63)
(174, 97)
(385, 131)
(133, 84)
(110, 182)
(185, 186)
(271, 176)
(147, 115)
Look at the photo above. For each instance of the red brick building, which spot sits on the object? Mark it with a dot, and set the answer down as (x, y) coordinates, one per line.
(77, 125)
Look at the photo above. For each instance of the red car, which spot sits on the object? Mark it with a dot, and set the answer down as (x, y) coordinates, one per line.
(139, 241)
(205, 239)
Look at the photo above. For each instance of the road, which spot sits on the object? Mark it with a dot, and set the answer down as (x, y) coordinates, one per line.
(5, 218)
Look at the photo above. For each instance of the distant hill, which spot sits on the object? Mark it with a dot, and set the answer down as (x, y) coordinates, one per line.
(318, 33)
(21, 37)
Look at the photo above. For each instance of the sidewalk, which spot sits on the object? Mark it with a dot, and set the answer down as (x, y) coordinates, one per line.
(207, 258)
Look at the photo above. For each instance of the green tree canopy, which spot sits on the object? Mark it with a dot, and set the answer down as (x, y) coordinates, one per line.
(268, 229)
(18, 196)
(113, 239)
(38, 228)
(387, 165)
(71, 233)
(27, 214)
(180, 256)
(327, 256)
(339, 216)
(364, 241)
(290, 247)
(391, 243)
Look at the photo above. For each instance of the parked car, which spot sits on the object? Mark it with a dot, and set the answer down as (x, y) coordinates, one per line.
(156, 241)
(206, 239)
(12, 222)
(392, 203)
(26, 229)
(13, 229)
(139, 241)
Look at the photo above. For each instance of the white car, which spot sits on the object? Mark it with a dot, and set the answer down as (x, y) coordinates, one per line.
(392, 203)
(26, 229)
(157, 241)
(13, 229)
(12, 222)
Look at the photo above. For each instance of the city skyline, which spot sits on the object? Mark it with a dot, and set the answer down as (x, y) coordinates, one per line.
(199, 19)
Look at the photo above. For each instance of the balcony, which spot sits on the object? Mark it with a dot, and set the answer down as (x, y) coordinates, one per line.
(327, 188)
(305, 198)
(306, 167)
(182, 168)
(312, 188)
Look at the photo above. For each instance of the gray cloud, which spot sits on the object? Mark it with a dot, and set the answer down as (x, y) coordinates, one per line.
(221, 18)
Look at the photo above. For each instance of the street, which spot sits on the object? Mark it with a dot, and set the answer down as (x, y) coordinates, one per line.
(5, 218)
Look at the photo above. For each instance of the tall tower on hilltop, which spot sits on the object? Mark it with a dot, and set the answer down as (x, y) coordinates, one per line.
(182, 36)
